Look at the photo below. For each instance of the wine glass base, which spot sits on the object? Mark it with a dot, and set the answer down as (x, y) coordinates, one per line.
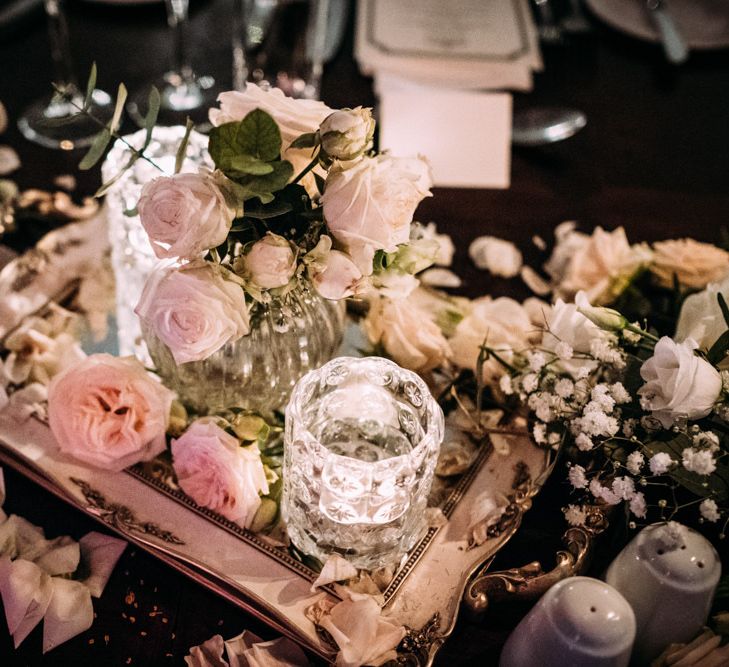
(39, 122)
(180, 99)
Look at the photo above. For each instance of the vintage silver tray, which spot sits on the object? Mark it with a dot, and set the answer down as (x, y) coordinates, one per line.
(143, 505)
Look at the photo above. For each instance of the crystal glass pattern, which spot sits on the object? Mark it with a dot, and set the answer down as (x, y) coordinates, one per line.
(289, 336)
(361, 442)
(132, 257)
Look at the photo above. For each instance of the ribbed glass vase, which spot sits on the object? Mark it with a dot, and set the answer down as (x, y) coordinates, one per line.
(289, 337)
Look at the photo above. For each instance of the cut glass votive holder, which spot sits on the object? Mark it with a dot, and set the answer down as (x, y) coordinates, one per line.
(361, 442)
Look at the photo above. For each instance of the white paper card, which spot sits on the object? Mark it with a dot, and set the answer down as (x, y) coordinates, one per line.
(465, 135)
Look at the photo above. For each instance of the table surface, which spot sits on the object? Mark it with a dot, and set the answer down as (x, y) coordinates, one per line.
(654, 158)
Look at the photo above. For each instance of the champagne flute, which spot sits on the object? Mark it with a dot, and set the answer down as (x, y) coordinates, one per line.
(54, 121)
(182, 92)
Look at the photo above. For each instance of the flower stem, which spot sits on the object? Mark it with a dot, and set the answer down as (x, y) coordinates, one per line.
(641, 332)
(308, 168)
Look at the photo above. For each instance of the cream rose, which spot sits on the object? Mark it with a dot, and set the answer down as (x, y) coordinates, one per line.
(701, 317)
(193, 310)
(270, 262)
(502, 324)
(184, 215)
(336, 276)
(408, 334)
(347, 133)
(369, 206)
(108, 412)
(678, 383)
(601, 265)
(216, 472)
(693, 263)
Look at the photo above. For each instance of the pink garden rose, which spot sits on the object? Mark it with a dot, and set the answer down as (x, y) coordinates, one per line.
(270, 263)
(108, 412)
(336, 276)
(184, 215)
(216, 472)
(369, 206)
(193, 309)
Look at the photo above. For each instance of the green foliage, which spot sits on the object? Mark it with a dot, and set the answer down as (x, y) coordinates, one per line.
(182, 148)
(308, 140)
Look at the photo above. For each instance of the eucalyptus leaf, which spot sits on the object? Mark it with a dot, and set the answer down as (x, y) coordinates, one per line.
(308, 140)
(96, 150)
(275, 210)
(719, 349)
(320, 182)
(105, 186)
(724, 307)
(90, 87)
(182, 148)
(150, 119)
(121, 98)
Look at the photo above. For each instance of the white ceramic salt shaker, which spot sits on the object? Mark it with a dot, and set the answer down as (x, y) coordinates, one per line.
(581, 622)
(668, 573)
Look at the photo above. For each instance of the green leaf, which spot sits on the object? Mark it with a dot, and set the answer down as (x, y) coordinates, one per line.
(182, 149)
(257, 135)
(96, 150)
(90, 87)
(308, 140)
(246, 164)
(153, 104)
(259, 212)
(320, 182)
(264, 186)
(105, 186)
(718, 349)
(121, 98)
(724, 307)
(131, 212)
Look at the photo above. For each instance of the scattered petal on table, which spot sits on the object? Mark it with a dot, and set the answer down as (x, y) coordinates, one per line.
(335, 568)
(280, 652)
(69, 613)
(207, 654)
(534, 281)
(9, 160)
(500, 257)
(60, 556)
(440, 278)
(26, 592)
(238, 645)
(100, 553)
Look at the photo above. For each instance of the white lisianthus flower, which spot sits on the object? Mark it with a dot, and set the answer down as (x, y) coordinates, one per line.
(678, 383)
(700, 317)
(692, 263)
(660, 463)
(270, 262)
(407, 333)
(186, 214)
(347, 134)
(369, 206)
(709, 510)
(193, 310)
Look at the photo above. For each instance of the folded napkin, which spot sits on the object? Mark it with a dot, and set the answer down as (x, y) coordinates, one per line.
(246, 650)
(37, 578)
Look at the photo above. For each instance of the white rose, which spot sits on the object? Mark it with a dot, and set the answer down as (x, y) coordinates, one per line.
(347, 133)
(335, 276)
(701, 317)
(369, 206)
(678, 383)
(294, 117)
(193, 310)
(184, 215)
(216, 472)
(693, 263)
(502, 324)
(407, 333)
(270, 262)
(601, 265)
(565, 324)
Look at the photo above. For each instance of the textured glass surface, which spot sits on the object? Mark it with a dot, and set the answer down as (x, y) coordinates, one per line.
(131, 253)
(288, 337)
(361, 442)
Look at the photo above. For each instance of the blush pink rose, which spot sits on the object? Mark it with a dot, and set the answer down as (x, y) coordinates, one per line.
(194, 310)
(184, 215)
(336, 276)
(369, 206)
(216, 472)
(108, 412)
(270, 262)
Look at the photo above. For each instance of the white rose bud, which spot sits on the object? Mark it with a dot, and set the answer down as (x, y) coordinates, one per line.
(270, 262)
(605, 318)
(347, 133)
(679, 383)
(184, 215)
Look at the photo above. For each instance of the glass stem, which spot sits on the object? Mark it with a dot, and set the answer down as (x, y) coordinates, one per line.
(60, 48)
(177, 15)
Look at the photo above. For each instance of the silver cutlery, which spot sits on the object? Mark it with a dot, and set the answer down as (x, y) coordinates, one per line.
(674, 45)
(545, 125)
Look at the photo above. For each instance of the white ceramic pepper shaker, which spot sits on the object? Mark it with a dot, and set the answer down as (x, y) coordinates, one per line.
(581, 622)
(668, 573)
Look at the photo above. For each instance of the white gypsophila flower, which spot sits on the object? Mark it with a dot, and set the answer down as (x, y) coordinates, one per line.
(725, 380)
(623, 487)
(600, 394)
(638, 505)
(544, 412)
(564, 388)
(660, 463)
(699, 461)
(707, 440)
(583, 373)
(577, 477)
(594, 422)
(619, 393)
(605, 351)
(575, 515)
(584, 442)
(506, 385)
(671, 535)
(629, 427)
(554, 439)
(603, 493)
(536, 361)
(564, 350)
(540, 433)
(635, 462)
(530, 382)
(709, 510)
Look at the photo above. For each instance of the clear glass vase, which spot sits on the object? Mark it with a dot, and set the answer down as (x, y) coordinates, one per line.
(289, 337)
